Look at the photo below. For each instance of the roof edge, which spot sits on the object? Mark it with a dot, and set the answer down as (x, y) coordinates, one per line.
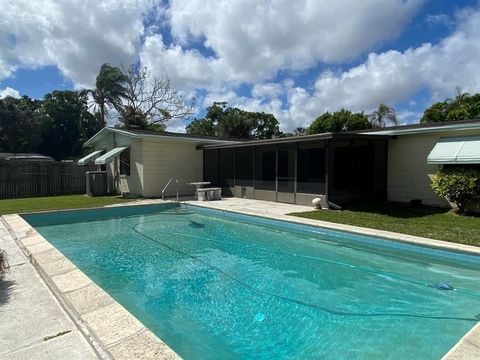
(132, 134)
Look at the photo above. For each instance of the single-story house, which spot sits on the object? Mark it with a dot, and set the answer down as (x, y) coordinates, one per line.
(141, 162)
(389, 163)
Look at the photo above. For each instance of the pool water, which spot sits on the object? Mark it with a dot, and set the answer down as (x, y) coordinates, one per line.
(217, 285)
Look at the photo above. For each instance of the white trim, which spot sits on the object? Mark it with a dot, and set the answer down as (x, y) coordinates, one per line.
(93, 139)
(429, 129)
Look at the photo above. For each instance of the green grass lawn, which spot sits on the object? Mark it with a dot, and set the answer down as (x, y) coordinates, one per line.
(13, 206)
(424, 221)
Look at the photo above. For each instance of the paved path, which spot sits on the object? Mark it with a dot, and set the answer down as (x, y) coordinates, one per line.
(33, 325)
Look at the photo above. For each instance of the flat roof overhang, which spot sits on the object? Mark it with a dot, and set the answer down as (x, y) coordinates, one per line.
(302, 138)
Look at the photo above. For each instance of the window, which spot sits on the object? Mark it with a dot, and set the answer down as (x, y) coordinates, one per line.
(226, 161)
(265, 160)
(363, 166)
(286, 168)
(244, 167)
(342, 166)
(125, 162)
(210, 167)
(311, 167)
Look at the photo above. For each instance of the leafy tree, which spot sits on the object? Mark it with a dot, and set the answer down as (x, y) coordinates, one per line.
(458, 185)
(68, 123)
(221, 120)
(299, 131)
(20, 124)
(153, 97)
(203, 127)
(462, 107)
(129, 118)
(339, 121)
(384, 113)
(109, 90)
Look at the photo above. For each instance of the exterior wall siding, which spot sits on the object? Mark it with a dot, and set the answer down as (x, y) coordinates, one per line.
(408, 172)
(163, 160)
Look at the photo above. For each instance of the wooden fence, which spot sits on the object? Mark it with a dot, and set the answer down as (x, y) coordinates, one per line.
(20, 179)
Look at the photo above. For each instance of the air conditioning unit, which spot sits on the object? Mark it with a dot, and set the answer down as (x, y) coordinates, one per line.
(96, 183)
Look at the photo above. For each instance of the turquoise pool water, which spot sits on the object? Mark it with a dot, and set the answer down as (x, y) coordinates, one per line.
(216, 285)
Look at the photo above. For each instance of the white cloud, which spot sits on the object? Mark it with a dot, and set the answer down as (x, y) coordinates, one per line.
(256, 39)
(439, 19)
(8, 91)
(390, 77)
(188, 68)
(76, 36)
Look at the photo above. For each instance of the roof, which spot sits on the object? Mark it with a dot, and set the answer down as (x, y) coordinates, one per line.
(425, 128)
(25, 157)
(166, 135)
(300, 138)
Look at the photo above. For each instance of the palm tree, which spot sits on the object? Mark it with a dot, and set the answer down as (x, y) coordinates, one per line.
(109, 90)
(384, 112)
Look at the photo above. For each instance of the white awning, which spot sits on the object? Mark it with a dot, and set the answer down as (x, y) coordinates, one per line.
(108, 157)
(90, 157)
(456, 150)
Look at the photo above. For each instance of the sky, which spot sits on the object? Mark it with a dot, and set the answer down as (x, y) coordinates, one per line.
(295, 59)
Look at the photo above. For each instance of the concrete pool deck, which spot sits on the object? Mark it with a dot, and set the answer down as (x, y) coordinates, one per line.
(114, 333)
(32, 323)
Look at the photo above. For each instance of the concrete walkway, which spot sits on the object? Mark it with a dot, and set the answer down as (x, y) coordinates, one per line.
(33, 325)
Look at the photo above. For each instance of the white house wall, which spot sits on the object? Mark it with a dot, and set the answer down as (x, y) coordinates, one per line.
(134, 182)
(408, 171)
(166, 159)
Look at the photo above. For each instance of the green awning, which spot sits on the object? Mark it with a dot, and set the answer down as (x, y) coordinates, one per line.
(456, 150)
(90, 157)
(108, 157)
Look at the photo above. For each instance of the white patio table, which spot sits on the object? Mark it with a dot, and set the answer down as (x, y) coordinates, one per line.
(199, 185)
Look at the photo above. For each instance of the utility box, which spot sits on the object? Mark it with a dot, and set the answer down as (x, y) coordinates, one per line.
(96, 183)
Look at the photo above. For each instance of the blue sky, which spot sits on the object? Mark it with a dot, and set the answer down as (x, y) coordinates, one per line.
(293, 59)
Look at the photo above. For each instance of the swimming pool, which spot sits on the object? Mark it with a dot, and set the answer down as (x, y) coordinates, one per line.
(215, 284)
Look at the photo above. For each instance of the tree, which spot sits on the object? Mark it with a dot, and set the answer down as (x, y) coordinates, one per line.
(202, 127)
(458, 185)
(379, 117)
(225, 121)
(68, 123)
(109, 90)
(154, 98)
(130, 119)
(462, 107)
(299, 131)
(20, 124)
(339, 121)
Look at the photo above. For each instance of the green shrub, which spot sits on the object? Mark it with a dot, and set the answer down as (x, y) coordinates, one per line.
(3, 264)
(458, 185)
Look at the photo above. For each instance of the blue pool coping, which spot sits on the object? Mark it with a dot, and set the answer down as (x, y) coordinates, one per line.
(343, 236)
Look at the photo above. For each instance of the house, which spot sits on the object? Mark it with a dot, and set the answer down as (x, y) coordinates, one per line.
(141, 162)
(389, 163)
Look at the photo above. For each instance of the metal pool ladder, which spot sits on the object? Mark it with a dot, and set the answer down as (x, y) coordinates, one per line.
(166, 186)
